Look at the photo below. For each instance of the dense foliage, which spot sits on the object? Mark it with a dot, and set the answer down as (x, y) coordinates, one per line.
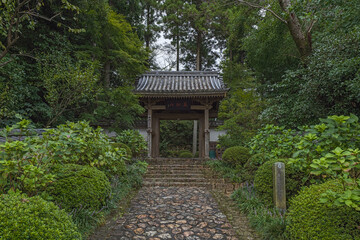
(44, 166)
(23, 217)
(252, 165)
(78, 186)
(134, 141)
(309, 218)
(236, 156)
(274, 142)
(64, 61)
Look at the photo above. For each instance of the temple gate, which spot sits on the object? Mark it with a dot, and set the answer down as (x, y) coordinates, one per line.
(180, 96)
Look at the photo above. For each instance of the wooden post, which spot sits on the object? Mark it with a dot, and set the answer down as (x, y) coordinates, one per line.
(195, 137)
(201, 137)
(149, 131)
(207, 133)
(155, 136)
(279, 185)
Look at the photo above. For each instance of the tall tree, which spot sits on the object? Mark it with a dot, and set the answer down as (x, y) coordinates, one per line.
(300, 30)
(174, 24)
(18, 15)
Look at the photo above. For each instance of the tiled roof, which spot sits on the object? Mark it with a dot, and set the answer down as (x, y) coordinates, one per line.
(158, 82)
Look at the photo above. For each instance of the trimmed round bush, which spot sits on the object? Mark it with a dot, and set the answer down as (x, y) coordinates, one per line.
(23, 217)
(307, 218)
(185, 154)
(263, 180)
(124, 146)
(79, 186)
(236, 156)
(252, 165)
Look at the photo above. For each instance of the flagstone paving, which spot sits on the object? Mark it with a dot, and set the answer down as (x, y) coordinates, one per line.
(173, 213)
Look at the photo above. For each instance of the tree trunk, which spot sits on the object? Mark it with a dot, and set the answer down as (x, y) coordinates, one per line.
(148, 22)
(198, 51)
(177, 49)
(302, 39)
(107, 75)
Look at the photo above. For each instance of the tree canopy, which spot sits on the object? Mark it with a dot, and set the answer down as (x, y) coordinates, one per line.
(288, 62)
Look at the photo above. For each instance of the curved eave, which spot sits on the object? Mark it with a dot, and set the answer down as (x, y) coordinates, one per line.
(181, 94)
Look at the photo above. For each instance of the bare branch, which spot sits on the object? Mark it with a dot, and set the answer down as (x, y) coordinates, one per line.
(41, 16)
(254, 5)
(312, 23)
(4, 63)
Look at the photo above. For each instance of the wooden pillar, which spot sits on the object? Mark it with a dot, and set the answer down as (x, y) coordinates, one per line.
(149, 131)
(195, 137)
(206, 133)
(201, 138)
(155, 136)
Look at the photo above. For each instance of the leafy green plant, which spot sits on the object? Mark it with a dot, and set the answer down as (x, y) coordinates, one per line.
(123, 146)
(236, 156)
(308, 218)
(79, 143)
(344, 166)
(134, 140)
(23, 217)
(264, 179)
(78, 186)
(23, 164)
(321, 139)
(274, 142)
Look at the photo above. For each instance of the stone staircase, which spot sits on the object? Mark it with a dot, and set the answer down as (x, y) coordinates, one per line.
(175, 172)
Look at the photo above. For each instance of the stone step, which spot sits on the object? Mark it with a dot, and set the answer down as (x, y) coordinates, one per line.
(175, 165)
(188, 171)
(175, 161)
(175, 168)
(175, 184)
(174, 175)
(172, 179)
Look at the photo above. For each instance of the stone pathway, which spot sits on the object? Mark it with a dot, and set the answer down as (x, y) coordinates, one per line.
(173, 213)
(175, 203)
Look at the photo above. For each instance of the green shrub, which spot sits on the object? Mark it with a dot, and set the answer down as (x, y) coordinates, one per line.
(185, 154)
(264, 179)
(79, 186)
(23, 217)
(236, 156)
(123, 146)
(320, 140)
(275, 142)
(308, 218)
(79, 143)
(134, 140)
(252, 165)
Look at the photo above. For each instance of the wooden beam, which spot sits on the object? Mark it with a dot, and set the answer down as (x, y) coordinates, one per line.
(193, 107)
(179, 116)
